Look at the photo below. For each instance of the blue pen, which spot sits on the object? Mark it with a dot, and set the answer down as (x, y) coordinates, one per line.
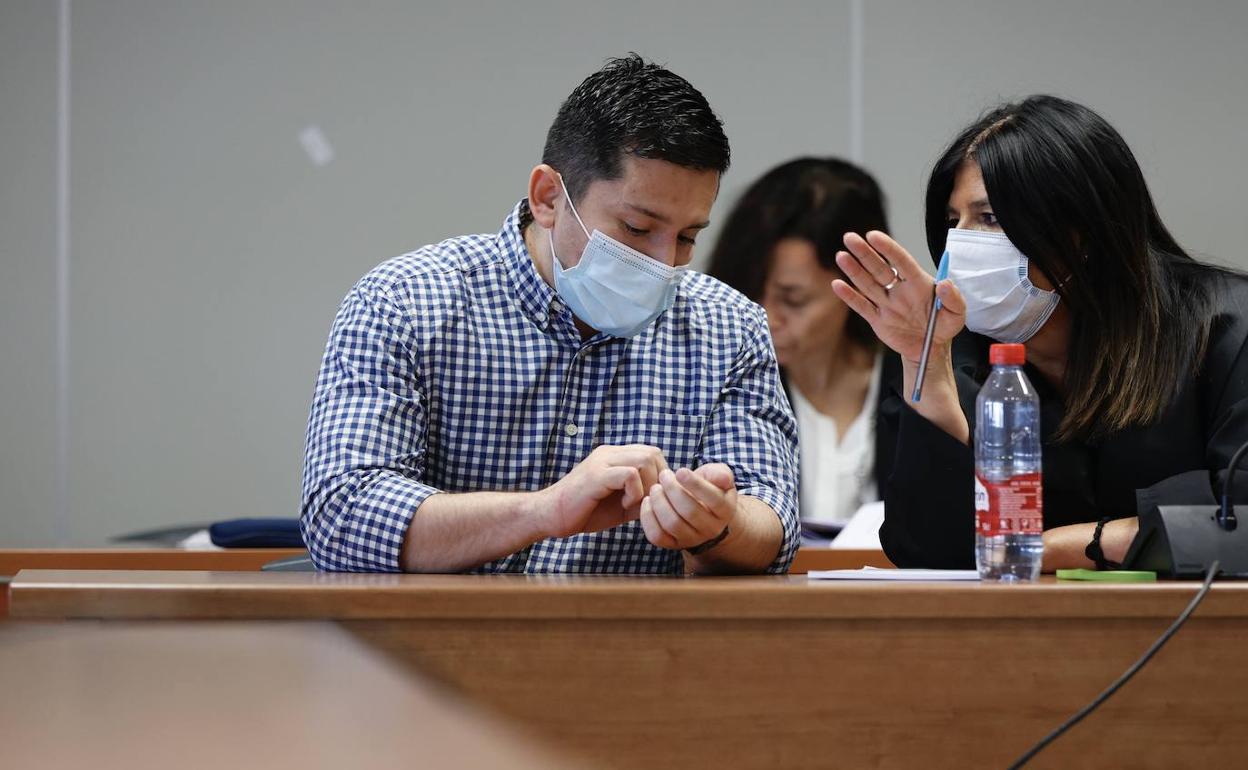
(942, 272)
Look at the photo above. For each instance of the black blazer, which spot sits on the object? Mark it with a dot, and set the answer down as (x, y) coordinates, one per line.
(1179, 459)
(887, 410)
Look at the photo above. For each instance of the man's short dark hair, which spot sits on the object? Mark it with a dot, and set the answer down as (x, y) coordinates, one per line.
(634, 107)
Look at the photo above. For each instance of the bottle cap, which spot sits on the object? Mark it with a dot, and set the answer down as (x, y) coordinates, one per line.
(1011, 354)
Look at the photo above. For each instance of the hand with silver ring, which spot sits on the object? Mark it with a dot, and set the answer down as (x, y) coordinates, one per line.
(896, 279)
(885, 285)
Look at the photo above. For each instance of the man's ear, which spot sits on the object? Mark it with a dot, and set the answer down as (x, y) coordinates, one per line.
(545, 193)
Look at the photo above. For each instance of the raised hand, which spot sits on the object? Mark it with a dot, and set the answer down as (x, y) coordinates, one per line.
(894, 295)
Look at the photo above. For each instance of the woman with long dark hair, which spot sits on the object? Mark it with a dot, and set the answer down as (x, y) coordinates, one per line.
(778, 247)
(1134, 347)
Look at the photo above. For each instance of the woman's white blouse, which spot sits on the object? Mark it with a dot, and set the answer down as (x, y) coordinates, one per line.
(838, 473)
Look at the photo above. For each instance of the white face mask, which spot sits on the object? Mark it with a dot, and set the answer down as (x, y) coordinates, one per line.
(1001, 301)
(614, 288)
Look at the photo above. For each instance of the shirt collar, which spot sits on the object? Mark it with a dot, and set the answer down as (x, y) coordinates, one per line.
(537, 299)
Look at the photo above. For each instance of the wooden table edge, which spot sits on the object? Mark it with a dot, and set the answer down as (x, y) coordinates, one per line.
(43, 594)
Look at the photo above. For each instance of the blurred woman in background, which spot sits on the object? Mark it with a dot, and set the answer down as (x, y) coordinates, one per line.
(778, 247)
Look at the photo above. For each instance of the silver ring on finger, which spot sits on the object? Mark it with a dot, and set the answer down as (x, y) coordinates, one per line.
(896, 279)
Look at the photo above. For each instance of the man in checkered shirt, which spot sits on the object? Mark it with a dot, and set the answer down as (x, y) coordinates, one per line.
(465, 418)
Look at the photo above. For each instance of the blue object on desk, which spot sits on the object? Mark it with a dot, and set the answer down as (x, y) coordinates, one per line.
(256, 533)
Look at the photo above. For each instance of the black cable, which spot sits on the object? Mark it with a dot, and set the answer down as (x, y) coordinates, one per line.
(1226, 516)
(1135, 668)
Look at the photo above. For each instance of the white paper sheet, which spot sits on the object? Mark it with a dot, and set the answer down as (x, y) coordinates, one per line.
(862, 532)
(200, 541)
(876, 573)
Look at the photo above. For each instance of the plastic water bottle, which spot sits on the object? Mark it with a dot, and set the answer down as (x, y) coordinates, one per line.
(1008, 500)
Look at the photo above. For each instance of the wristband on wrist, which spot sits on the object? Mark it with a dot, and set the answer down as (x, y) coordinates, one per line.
(709, 544)
(1094, 552)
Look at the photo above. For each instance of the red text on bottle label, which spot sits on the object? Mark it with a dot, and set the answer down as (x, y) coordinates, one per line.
(1009, 507)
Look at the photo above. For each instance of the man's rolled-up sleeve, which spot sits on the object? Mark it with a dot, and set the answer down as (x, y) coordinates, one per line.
(752, 430)
(364, 458)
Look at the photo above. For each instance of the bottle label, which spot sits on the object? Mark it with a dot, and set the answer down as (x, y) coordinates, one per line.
(1010, 507)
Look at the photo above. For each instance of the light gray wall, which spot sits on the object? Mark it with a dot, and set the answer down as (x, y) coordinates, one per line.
(28, 98)
(1171, 77)
(208, 253)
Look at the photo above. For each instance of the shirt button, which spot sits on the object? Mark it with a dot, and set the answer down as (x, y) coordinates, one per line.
(571, 429)
(556, 307)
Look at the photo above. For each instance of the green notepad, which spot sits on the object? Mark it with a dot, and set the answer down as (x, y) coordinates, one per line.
(1108, 576)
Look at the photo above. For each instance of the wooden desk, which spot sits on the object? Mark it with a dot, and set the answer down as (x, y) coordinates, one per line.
(764, 672)
(14, 560)
(808, 559)
(222, 695)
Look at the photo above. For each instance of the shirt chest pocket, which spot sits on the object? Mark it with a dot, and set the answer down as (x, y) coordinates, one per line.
(678, 435)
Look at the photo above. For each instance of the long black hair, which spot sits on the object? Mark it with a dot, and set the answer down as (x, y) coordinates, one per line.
(1069, 194)
(814, 199)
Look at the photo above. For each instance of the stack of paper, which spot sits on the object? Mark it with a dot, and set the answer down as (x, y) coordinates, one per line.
(875, 573)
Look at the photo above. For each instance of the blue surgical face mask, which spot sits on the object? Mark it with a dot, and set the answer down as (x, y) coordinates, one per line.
(614, 288)
(1001, 301)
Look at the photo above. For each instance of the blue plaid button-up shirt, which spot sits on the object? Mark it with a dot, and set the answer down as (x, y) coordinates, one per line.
(456, 368)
